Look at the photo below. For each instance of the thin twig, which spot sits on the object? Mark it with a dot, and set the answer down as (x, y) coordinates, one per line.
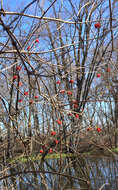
(103, 186)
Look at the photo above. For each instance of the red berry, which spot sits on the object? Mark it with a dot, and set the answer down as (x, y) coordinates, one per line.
(62, 91)
(28, 48)
(20, 84)
(15, 77)
(51, 150)
(70, 114)
(97, 25)
(37, 40)
(74, 102)
(76, 115)
(59, 122)
(26, 93)
(58, 82)
(53, 133)
(98, 75)
(41, 151)
(75, 105)
(99, 129)
(71, 81)
(18, 68)
(20, 100)
(108, 69)
(56, 141)
(30, 101)
(89, 129)
(36, 97)
(69, 92)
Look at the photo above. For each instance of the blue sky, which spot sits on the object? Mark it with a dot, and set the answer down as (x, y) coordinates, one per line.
(14, 4)
(18, 6)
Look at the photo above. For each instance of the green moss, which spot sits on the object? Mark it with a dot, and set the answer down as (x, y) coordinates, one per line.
(115, 150)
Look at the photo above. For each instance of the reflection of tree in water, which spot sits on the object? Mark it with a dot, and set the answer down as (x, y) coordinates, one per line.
(81, 170)
(73, 173)
(104, 170)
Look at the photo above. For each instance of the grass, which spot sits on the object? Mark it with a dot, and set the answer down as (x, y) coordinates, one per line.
(50, 156)
(38, 157)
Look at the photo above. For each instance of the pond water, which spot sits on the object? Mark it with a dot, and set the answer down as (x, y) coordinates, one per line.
(94, 173)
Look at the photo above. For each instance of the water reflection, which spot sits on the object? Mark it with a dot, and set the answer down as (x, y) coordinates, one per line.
(63, 174)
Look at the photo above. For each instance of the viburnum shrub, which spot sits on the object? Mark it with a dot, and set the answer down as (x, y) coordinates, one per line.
(97, 25)
(59, 122)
